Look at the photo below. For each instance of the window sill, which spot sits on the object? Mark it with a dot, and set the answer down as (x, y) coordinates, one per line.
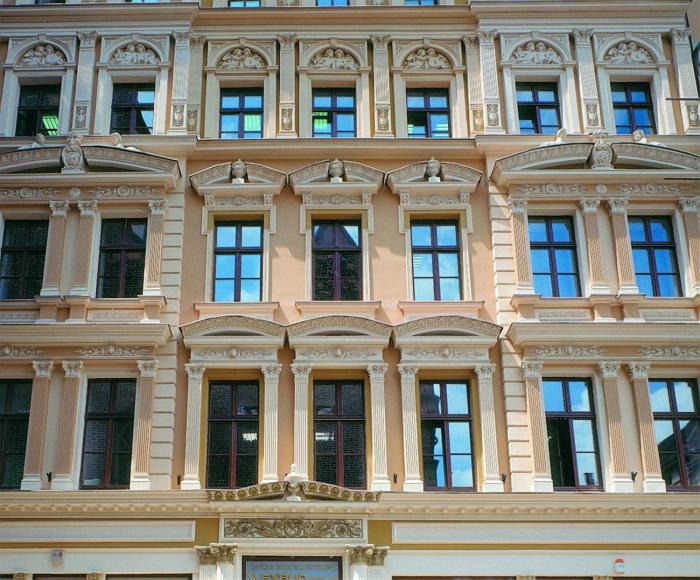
(263, 310)
(317, 308)
(413, 309)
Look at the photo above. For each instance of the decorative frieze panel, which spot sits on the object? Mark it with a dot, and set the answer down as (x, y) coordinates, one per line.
(427, 55)
(42, 52)
(567, 351)
(333, 55)
(535, 49)
(338, 354)
(671, 352)
(628, 49)
(292, 528)
(19, 351)
(113, 351)
(242, 55)
(233, 353)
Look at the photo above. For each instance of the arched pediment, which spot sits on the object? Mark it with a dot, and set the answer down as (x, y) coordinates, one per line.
(339, 326)
(243, 327)
(135, 50)
(335, 172)
(447, 326)
(332, 55)
(427, 55)
(567, 155)
(238, 173)
(41, 51)
(426, 174)
(630, 50)
(647, 155)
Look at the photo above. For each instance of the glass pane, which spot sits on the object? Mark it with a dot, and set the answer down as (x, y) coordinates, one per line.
(639, 94)
(439, 125)
(223, 291)
(462, 472)
(583, 435)
(351, 402)
(96, 435)
(125, 397)
(420, 235)
(324, 399)
(449, 289)
(553, 396)
(587, 466)
(549, 117)
(324, 234)
(16, 437)
(250, 290)
(225, 266)
(354, 471)
(434, 471)
(225, 236)
(661, 230)
(220, 437)
(562, 230)
(565, 260)
(636, 227)
(349, 235)
(537, 228)
(417, 124)
(322, 99)
(220, 400)
(252, 101)
(251, 236)
(543, 285)
(322, 124)
(326, 469)
(670, 469)
(692, 462)
(660, 402)
(665, 261)
(547, 95)
(460, 441)
(324, 265)
(446, 235)
(668, 285)
(247, 438)
(250, 265)
(229, 101)
(14, 471)
(422, 264)
(437, 101)
(345, 101)
(423, 289)
(93, 469)
(560, 452)
(641, 261)
(350, 289)
(665, 438)
(645, 285)
(350, 264)
(684, 396)
(568, 285)
(430, 402)
(579, 396)
(218, 471)
(145, 96)
(432, 439)
(690, 435)
(540, 260)
(524, 94)
(324, 436)
(122, 434)
(354, 437)
(247, 400)
(345, 122)
(415, 99)
(448, 264)
(246, 470)
(457, 399)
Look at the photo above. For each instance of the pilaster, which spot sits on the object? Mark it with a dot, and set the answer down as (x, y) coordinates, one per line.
(54, 248)
(194, 84)
(411, 448)
(476, 94)
(689, 211)
(542, 478)
(621, 479)
(596, 269)
(287, 116)
(383, 126)
(590, 102)
(489, 445)
(489, 82)
(380, 478)
(145, 386)
(154, 247)
(367, 562)
(178, 99)
(36, 431)
(271, 426)
(195, 373)
(685, 79)
(83, 263)
(521, 243)
(301, 419)
(652, 481)
(216, 561)
(627, 283)
(64, 469)
(82, 108)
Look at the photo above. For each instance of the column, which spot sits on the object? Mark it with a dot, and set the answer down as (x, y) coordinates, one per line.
(376, 569)
(621, 480)
(64, 469)
(652, 481)
(596, 271)
(409, 412)
(382, 91)
(194, 84)
(358, 559)
(216, 561)
(689, 211)
(154, 247)
(489, 81)
(83, 253)
(627, 283)
(36, 432)
(587, 82)
(380, 478)
(287, 116)
(178, 99)
(489, 443)
(476, 97)
(542, 479)
(83, 87)
(272, 375)
(685, 78)
(521, 243)
(145, 386)
(54, 248)
(301, 419)
(195, 372)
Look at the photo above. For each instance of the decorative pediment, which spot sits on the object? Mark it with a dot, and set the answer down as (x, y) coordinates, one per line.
(134, 50)
(433, 176)
(535, 53)
(44, 56)
(441, 326)
(426, 59)
(242, 55)
(535, 49)
(629, 50)
(332, 56)
(628, 53)
(238, 178)
(294, 491)
(324, 327)
(333, 59)
(241, 327)
(336, 183)
(42, 52)
(426, 56)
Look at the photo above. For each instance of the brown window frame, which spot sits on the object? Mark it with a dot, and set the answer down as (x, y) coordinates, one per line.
(123, 248)
(26, 250)
(337, 251)
(8, 423)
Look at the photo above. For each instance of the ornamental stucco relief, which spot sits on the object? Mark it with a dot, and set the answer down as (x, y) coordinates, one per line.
(45, 55)
(15, 351)
(426, 59)
(684, 352)
(535, 53)
(134, 54)
(568, 351)
(241, 58)
(112, 350)
(628, 53)
(292, 528)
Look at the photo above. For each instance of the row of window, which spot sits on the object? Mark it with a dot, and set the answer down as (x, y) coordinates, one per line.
(258, 3)
(340, 437)
(334, 110)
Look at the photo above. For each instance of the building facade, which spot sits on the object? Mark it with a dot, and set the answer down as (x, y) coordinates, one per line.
(349, 289)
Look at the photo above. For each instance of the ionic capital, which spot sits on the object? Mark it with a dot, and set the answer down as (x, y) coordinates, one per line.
(182, 38)
(301, 371)
(380, 42)
(72, 368)
(583, 35)
(639, 370)
(610, 370)
(195, 372)
(532, 369)
(87, 39)
(42, 368)
(408, 372)
(287, 41)
(272, 371)
(377, 370)
(147, 368)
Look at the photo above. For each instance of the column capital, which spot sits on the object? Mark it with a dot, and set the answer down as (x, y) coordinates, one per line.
(72, 368)
(157, 206)
(688, 204)
(147, 368)
(583, 35)
(485, 371)
(517, 206)
(195, 371)
(381, 41)
(87, 207)
(610, 370)
(680, 35)
(408, 371)
(216, 553)
(87, 39)
(638, 369)
(272, 371)
(197, 41)
(287, 41)
(471, 41)
(182, 38)
(618, 204)
(532, 369)
(59, 208)
(487, 37)
(367, 554)
(301, 371)
(377, 370)
(42, 368)
(589, 204)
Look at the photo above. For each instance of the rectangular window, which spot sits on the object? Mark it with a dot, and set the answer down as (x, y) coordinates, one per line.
(241, 114)
(654, 253)
(337, 260)
(109, 428)
(232, 450)
(22, 258)
(428, 113)
(37, 111)
(332, 3)
(676, 409)
(339, 433)
(446, 435)
(538, 108)
(238, 254)
(132, 108)
(436, 263)
(553, 255)
(122, 258)
(633, 107)
(244, 3)
(571, 430)
(334, 113)
(15, 398)
(420, 2)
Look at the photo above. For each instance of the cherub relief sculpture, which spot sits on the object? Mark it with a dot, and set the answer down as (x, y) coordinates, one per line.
(334, 59)
(241, 59)
(628, 53)
(134, 54)
(426, 59)
(43, 55)
(535, 53)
